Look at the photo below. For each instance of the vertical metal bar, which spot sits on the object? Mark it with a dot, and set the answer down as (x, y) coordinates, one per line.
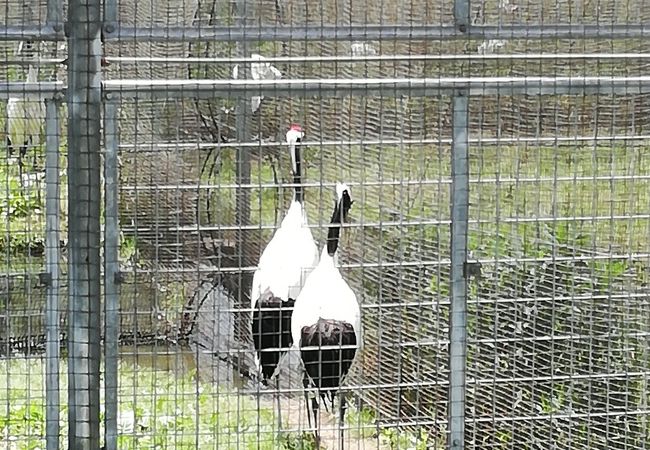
(55, 14)
(110, 17)
(459, 231)
(110, 11)
(111, 273)
(52, 260)
(458, 308)
(84, 271)
(111, 251)
(461, 15)
(243, 170)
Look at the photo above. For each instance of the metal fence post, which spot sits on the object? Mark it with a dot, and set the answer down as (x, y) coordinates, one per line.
(111, 273)
(53, 273)
(84, 115)
(459, 229)
(55, 14)
(243, 167)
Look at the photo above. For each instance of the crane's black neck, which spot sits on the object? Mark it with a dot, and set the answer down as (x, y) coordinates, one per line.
(297, 173)
(339, 215)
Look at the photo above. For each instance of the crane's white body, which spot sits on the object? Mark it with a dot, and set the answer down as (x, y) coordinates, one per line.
(323, 313)
(25, 116)
(325, 295)
(287, 259)
(261, 70)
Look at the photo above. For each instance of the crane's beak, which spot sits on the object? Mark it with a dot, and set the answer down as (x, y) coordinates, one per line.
(345, 203)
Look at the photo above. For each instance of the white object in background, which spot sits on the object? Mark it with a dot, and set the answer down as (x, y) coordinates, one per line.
(491, 46)
(261, 70)
(362, 49)
(25, 117)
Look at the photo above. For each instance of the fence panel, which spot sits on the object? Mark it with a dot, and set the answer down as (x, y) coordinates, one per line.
(496, 153)
(558, 321)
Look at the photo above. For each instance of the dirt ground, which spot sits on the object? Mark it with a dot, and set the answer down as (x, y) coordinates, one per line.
(294, 419)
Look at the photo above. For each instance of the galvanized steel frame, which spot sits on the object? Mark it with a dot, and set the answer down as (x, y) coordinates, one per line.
(84, 101)
(84, 407)
(415, 87)
(112, 31)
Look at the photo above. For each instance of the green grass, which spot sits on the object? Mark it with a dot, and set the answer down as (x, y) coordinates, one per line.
(391, 438)
(517, 194)
(157, 409)
(22, 208)
(580, 198)
(167, 409)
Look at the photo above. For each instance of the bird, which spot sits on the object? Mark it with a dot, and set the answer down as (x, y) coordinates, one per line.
(261, 70)
(282, 268)
(326, 322)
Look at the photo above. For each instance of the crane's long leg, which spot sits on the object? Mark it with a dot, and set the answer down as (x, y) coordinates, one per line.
(277, 403)
(20, 172)
(342, 408)
(314, 408)
(327, 408)
(308, 408)
(305, 385)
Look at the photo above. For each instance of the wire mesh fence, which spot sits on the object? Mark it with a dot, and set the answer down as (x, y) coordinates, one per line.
(496, 153)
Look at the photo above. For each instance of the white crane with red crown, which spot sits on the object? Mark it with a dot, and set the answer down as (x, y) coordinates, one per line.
(281, 272)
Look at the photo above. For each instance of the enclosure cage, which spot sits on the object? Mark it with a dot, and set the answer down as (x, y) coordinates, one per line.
(498, 244)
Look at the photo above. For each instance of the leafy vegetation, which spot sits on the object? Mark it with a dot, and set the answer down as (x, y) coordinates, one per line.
(165, 409)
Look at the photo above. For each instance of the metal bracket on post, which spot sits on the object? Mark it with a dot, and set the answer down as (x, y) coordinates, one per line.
(459, 231)
(110, 25)
(112, 275)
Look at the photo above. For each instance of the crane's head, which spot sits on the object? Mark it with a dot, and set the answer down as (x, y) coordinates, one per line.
(344, 200)
(294, 136)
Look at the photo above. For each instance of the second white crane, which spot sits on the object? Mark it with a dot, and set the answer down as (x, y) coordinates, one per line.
(326, 323)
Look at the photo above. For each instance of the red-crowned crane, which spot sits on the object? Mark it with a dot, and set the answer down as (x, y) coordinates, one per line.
(326, 323)
(282, 270)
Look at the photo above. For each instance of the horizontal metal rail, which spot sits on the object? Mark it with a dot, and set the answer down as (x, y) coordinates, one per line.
(376, 183)
(52, 32)
(416, 87)
(550, 142)
(378, 58)
(534, 85)
(389, 224)
(40, 62)
(442, 302)
(361, 59)
(369, 32)
(557, 416)
(35, 91)
(442, 262)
